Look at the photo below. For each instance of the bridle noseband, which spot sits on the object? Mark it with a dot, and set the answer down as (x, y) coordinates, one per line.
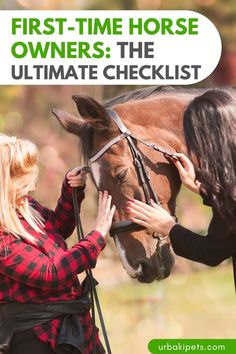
(139, 163)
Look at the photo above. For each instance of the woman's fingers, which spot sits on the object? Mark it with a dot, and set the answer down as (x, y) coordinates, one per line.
(103, 199)
(105, 213)
(107, 206)
(134, 208)
(74, 177)
(112, 212)
(186, 162)
(186, 172)
(140, 205)
(100, 195)
(104, 202)
(144, 209)
(180, 167)
(154, 205)
(183, 172)
(77, 177)
(139, 214)
(198, 184)
(139, 222)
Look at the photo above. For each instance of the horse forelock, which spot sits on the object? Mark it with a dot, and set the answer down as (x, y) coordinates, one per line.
(86, 138)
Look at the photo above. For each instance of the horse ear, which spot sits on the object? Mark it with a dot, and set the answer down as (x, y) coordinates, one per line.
(93, 112)
(69, 122)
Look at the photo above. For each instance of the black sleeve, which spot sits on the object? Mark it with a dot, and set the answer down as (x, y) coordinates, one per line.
(218, 245)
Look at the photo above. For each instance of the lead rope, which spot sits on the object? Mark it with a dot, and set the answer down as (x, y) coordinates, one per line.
(92, 289)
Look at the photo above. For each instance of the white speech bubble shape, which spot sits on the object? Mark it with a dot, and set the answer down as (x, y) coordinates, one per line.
(170, 58)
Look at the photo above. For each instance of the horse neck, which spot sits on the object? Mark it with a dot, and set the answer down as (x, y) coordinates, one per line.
(159, 120)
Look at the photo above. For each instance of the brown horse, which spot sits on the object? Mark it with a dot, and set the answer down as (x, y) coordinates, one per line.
(154, 114)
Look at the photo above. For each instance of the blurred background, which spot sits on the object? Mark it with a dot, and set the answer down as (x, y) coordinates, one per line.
(195, 301)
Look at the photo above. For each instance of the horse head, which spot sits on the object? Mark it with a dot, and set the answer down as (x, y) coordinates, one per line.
(156, 118)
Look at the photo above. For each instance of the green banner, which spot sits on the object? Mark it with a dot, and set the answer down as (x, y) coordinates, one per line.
(192, 346)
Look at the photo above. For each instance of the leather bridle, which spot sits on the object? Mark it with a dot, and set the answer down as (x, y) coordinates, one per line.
(140, 167)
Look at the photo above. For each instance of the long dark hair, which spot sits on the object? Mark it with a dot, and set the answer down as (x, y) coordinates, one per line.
(210, 133)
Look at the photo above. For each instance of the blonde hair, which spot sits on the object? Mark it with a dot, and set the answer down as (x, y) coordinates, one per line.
(18, 174)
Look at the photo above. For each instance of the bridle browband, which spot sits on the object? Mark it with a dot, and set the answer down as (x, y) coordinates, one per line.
(139, 163)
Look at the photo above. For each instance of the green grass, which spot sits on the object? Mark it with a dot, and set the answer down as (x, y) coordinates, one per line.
(197, 305)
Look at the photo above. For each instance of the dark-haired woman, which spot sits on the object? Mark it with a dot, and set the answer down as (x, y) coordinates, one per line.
(210, 134)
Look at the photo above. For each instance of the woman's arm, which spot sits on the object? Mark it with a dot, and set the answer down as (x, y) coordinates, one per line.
(218, 245)
(62, 218)
(29, 265)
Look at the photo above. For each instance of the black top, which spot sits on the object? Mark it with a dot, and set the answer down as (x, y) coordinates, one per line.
(218, 245)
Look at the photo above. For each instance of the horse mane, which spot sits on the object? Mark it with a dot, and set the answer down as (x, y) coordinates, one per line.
(143, 93)
(138, 94)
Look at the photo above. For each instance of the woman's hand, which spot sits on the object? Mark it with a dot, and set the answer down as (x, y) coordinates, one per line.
(77, 177)
(105, 213)
(152, 217)
(187, 172)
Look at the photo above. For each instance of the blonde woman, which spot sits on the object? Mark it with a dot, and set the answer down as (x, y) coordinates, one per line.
(37, 271)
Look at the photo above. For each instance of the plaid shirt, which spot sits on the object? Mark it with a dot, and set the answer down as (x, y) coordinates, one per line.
(48, 271)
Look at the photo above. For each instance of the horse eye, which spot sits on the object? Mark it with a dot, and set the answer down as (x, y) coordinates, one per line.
(121, 176)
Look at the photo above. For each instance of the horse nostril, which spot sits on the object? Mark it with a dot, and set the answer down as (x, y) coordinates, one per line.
(155, 235)
(139, 271)
(146, 273)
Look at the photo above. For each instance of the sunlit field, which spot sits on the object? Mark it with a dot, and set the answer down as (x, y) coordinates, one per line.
(197, 305)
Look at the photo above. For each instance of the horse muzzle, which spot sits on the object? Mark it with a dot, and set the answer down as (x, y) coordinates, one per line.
(159, 265)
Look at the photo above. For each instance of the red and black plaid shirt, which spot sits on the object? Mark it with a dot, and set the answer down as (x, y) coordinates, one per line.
(48, 271)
